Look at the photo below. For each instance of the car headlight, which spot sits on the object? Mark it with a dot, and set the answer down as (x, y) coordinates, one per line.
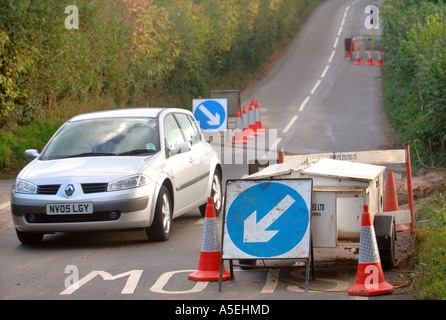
(21, 186)
(128, 183)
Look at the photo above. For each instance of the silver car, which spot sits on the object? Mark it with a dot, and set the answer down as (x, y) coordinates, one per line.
(119, 169)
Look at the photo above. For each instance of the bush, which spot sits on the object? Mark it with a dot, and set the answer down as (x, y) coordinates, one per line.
(431, 249)
(124, 50)
(414, 38)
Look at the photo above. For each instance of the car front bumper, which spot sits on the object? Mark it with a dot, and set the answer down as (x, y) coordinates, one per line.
(123, 210)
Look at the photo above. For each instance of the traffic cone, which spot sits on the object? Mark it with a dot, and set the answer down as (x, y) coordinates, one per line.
(370, 277)
(348, 55)
(370, 59)
(239, 137)
(210, 255)
(391, 199)
(251, 121)
(358, 57)
(246, 130)
(380, 61)
(257, 118)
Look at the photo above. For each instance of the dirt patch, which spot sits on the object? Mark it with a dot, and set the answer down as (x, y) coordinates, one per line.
(423, 185)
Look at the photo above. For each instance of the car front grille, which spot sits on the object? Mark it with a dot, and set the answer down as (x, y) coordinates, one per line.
(66, 218)
(94, 187)
(50, 189)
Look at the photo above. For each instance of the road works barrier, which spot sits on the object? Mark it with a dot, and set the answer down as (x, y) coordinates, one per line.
(377, 157)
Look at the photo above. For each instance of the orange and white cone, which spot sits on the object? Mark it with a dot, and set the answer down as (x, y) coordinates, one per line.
(391, 199)
(370, 279)
(257, 118)
(251, 121)
(358, 57)
(380, 61)
(210, 255)
(370, 59)
(239, 137)
(247, 131)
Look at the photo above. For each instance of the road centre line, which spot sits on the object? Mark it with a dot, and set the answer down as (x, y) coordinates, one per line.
(313, 90)
(290, 124)
(325, 71)
(275, 144)
(315, 86)
(331, 57)
(340, 30)
(336, 42)
(302, 106)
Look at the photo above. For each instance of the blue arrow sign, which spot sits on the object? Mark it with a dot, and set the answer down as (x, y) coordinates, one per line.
(268, 219)
(211, 114)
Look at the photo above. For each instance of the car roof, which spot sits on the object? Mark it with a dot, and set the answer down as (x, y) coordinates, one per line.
(118, 113)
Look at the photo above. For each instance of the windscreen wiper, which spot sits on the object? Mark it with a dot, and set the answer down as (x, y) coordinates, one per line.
(91, 154)
(136, 152)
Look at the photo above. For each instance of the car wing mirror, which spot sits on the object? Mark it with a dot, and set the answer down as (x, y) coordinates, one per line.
(31, 154)
(179, 147)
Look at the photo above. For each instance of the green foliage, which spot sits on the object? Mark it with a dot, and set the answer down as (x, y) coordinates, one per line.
(15, 141)
(123, 50)
(431, 249)
(414, 39)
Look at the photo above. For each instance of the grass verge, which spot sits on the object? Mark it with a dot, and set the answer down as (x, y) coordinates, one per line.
(430, 252)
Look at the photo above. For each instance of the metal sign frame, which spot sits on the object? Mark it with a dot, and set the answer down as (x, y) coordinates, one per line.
(300, 249)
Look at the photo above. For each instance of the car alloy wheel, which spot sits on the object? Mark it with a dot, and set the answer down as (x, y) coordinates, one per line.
(162, 222)
(166, 213)
(216, 195)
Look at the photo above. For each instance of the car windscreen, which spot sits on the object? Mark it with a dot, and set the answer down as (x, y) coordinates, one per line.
(104, 137)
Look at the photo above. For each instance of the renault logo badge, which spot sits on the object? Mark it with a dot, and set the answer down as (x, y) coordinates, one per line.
(69, 190)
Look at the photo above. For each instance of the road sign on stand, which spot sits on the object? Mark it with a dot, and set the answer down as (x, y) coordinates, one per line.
(211, 114)
(267, 219)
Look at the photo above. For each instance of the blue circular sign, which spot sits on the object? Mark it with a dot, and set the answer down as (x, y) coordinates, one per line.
(267, 220)
(210, 114)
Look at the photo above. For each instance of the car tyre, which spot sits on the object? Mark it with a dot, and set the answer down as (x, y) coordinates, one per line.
(29, 237)
(216, 195)
(161, 227)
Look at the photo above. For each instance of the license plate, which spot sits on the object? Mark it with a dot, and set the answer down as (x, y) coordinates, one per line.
(69, 208)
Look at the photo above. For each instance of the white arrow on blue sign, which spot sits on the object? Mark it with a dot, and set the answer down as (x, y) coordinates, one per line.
(211, 114)
(267, 219)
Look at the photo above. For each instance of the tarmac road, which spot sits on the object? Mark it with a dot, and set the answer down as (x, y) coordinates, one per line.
(316, 100)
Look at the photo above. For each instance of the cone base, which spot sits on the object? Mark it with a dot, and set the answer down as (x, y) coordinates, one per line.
(401, 228)
(369, 63)
(365, 285)
(361, 290)
(357, 61)
(239, 139)
(254, 130)
(209, 268)
(259, 127)
(379, 63)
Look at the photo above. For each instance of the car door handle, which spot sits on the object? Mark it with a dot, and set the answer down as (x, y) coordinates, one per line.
(191, 160)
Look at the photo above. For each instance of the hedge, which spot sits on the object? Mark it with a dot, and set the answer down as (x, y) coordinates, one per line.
(414, 86)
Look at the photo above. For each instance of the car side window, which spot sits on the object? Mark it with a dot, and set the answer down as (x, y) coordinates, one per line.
(196, 128)
(172, 132)
(187, 127)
